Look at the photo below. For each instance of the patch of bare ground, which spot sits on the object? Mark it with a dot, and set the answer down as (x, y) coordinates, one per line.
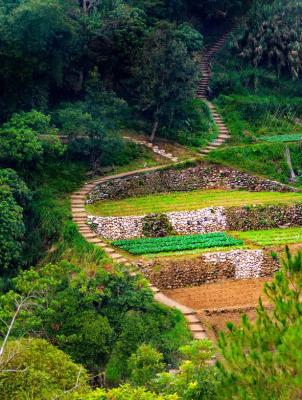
(221, 302)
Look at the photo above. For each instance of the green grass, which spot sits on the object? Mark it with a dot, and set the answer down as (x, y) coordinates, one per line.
(186, 201)
(272, 237)
(295, 137)
(177, 243)
(265, 159)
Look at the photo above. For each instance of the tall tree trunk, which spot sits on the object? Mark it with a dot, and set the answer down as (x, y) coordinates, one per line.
(293, 176)
(154, 130)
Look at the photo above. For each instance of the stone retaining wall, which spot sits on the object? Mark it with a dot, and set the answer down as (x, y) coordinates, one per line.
(210, 267)
(212, 219)
(168, 180)
(200, 221)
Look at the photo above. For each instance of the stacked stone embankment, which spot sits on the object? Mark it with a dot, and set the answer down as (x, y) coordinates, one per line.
(211, 219)
(210, 267)
(183, 180)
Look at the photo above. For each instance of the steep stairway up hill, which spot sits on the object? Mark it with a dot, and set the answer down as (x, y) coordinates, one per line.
(202, 92)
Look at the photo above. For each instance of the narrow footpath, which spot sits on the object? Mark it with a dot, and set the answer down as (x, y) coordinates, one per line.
(78, 199)
(202, 92)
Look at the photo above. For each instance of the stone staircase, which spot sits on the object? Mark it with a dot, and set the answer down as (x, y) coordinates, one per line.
(79, 216)
(202, 93)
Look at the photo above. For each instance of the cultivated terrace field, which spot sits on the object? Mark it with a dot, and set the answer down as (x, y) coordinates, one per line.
(187, 201)
(116, 284)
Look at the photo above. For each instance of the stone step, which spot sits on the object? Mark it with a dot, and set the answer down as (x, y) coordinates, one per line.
(192, 319)
(224, 136)
(196, 327)
(199, 335)
(94, 240)
(115, 257)
(79, 214)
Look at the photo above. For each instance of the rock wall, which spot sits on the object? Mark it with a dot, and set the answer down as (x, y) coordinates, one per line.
(212, 219)
(201, 221)
(263, 217)
(172, 179)
(210, 267)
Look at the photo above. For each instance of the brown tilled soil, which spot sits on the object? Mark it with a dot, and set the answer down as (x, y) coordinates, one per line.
(221, 302)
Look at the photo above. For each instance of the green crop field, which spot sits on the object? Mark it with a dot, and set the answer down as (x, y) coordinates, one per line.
(272, 237)
(294, 137)
(188, 201)
(177, 243)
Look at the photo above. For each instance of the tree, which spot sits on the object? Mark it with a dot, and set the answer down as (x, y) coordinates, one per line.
(63, 312)
(11, 230)
(262, 360)
(270, 36)
(38, 370)
(17, 186)
(27, 138)
(144, 365)
(165, 76)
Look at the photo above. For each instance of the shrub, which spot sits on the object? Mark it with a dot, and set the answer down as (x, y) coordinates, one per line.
(144, 365)
(37, 370)
(157, 225)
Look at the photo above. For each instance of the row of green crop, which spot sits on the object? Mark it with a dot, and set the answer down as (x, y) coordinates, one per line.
(170, 239)
(177, 243)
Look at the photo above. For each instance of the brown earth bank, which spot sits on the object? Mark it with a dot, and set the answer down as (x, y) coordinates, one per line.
(221, 302)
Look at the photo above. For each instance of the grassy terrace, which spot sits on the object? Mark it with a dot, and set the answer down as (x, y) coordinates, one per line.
(187, 201)
(272, 237)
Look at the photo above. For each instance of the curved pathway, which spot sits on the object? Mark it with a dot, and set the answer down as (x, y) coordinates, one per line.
(79, 215)
(78, 199)
(202, 93)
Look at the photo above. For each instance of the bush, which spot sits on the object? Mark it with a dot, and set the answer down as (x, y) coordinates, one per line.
(36, 369)
(11, 231)
(144, 365)
(157, 225)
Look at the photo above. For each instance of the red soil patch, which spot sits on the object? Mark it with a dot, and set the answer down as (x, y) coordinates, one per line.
(221, 302)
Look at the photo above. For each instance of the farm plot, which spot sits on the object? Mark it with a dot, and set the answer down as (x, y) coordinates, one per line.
(177, 243)
(188, 201)
(273, 237)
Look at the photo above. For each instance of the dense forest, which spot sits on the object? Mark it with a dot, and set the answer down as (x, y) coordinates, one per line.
(74, 77)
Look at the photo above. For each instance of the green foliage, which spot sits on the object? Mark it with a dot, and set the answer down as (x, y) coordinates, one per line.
(11, 230)
(157, 225)
(126, 392)
(22, 142)
(193, 125)
(19, 146)
(19, 190)
(39, 47)
(271, 36)
(262, 359)
(34, 369)
(294, 137)
(176, 243)
(194, 380)
(144, 365)
(190, 37)
(263, 159)
(165, 76)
